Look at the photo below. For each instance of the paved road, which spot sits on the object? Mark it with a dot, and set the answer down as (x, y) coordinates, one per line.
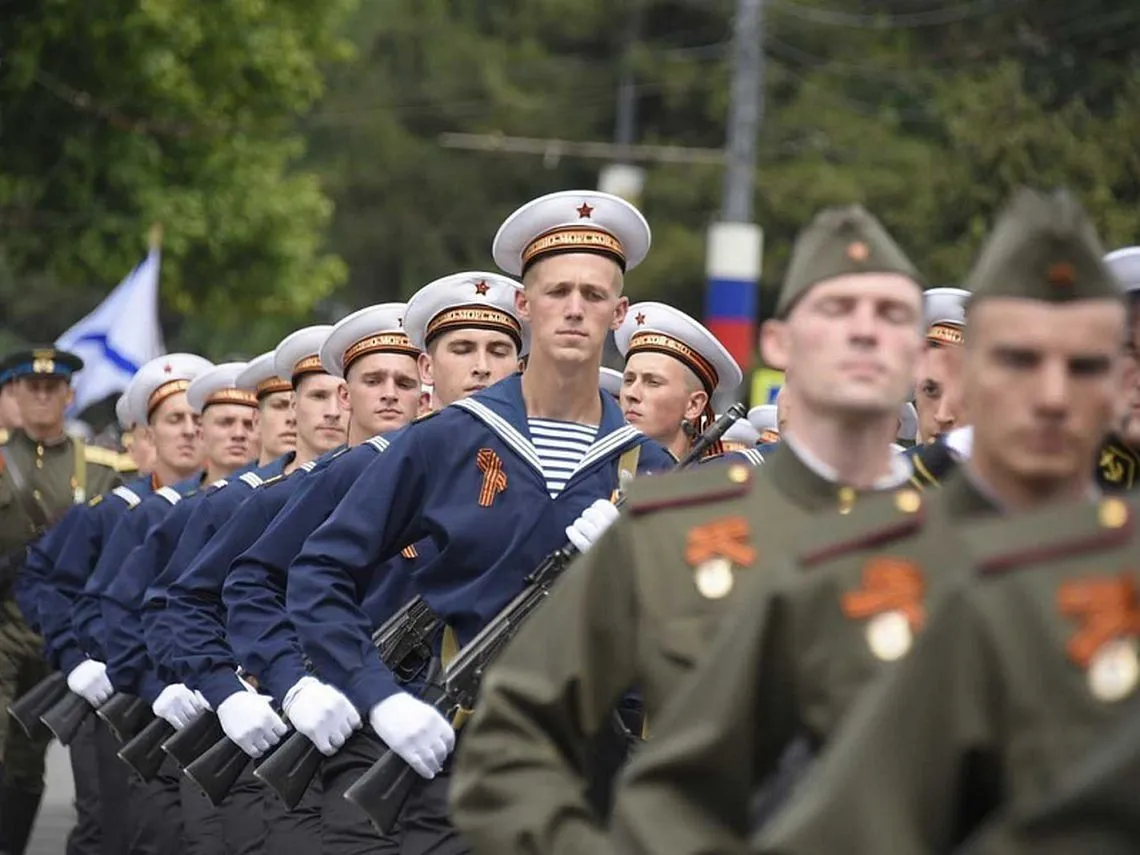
(57, 814)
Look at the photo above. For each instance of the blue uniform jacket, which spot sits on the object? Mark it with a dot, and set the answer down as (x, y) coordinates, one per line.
(254, 592)
(29, 586)
(206, 517)
(67, 618)
(104, 630)
(470, 480)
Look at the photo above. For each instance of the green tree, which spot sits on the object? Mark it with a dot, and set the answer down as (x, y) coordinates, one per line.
(118, 114)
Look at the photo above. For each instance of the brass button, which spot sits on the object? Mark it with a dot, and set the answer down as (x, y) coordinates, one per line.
(846, 499)
(39, 463)
(1112, 513)
(738, 474)
(908, 501)
(36, 495)
(40, 450)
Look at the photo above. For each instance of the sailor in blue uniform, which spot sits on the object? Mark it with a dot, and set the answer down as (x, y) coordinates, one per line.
(228, 420)
(471, 335)
(494, 480)
(742, 436)
(673, 367)
(156, 408)
(277, 429)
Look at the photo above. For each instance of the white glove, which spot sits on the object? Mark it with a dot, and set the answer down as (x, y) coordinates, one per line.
(249, 720)
(178, 705)
(322, 713)
(415, 731)
(592, 524)
(89, 679)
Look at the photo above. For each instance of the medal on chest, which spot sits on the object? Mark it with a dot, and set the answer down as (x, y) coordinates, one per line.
(1107, 612)
(714, 549)
(890, 600)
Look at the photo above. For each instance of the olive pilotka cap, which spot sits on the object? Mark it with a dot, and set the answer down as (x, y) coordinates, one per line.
(841, 241)
(1043, 247)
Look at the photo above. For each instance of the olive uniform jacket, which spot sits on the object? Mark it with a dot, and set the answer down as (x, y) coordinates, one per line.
(788, 665)
(636, 611)
(43, 479)
(1022, 669)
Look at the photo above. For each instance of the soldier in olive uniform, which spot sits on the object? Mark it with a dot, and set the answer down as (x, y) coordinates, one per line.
(44, 473)
(639, 607)
(1043, 367)
(862, 593)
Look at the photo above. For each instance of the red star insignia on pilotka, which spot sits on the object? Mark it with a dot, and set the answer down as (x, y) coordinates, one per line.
(1062, 273)
(640, 318)
(481, 288)
(585, 211)
(858, 251)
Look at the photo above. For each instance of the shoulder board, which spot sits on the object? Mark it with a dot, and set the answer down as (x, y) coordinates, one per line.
(127, 495)
(698, 486)
(125, 463)
(875, 522)
(251, 480)
(932, 464)
(378, 443)
(170, 494)
(101, 456)
(1067, 530)
(753, 456)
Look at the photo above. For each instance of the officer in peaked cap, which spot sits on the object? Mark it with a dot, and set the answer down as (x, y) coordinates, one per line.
(654, 559)
(675, 366)
(278, 424)
(44, 473)
(610, 381)
(1119, 466)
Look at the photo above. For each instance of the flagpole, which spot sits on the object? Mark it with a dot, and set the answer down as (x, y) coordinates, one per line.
(154, 237)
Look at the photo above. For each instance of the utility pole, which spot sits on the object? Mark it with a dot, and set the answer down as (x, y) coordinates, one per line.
(735, 243)
(622, 177)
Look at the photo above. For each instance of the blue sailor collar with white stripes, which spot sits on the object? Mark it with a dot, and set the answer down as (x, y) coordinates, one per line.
(502, 410)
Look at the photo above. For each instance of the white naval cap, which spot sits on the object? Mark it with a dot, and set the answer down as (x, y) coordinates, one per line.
(1125, 266)
(161, 378)
(123, 412)
(945, 312)
(610, 380)
(469, 299)
(299, 353)
(764, 419)
(742, 432)
(260, 377)
(373, 329)
(658, 328)
(908, 422)
(218, 385)
(572, 221)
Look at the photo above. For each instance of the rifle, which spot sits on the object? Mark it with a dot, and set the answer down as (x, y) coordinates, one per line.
(28, 708)
(143, 753)
(291, 767)
(124, 715)
(190, 743)
(382, 790)
(66, 717)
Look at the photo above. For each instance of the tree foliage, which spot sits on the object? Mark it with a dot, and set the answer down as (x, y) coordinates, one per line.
(117, 114)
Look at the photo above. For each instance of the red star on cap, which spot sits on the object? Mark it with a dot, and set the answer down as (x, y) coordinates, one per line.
(640, 318)
(482, 287)
(585, 211)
